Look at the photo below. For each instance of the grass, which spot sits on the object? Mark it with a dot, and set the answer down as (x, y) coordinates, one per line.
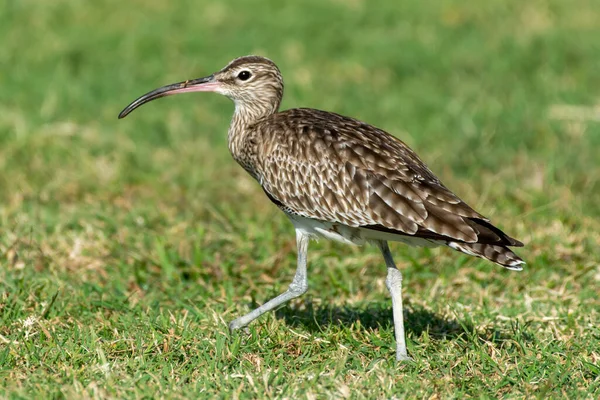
(127, 246)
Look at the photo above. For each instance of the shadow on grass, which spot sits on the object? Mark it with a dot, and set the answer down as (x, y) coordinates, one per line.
(417, 320)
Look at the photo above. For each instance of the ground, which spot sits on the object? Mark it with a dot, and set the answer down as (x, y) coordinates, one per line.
(126, 246)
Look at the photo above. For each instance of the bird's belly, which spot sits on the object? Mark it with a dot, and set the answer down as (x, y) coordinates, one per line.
(354, 235)
(327, 230)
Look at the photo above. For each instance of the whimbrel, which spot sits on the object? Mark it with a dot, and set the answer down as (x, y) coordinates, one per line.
(339, 178)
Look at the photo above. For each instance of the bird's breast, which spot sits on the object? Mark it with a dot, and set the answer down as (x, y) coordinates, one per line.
(243, 149)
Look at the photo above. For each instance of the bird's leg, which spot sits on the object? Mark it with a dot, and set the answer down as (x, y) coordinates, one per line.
(298, 286)
(394, 285)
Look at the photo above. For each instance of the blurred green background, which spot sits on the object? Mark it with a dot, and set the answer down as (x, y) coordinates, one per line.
(126, 246)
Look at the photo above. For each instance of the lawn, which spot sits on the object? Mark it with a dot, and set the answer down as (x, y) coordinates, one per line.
(126, 246)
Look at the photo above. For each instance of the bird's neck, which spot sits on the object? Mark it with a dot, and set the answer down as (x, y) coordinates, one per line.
(245, 117)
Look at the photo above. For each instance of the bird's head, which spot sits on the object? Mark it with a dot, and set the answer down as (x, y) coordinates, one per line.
(253, 83)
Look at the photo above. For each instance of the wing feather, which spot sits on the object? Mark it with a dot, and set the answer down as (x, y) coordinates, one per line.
(325, 166)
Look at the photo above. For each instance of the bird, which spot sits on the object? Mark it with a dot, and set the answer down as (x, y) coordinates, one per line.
(339, 178)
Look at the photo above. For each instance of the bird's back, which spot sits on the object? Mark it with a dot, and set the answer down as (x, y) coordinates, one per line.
(327, 167)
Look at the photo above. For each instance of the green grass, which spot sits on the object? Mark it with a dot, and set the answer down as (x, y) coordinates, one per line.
(127, 246)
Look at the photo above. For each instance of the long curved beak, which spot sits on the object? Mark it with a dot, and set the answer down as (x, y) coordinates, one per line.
(207, 84)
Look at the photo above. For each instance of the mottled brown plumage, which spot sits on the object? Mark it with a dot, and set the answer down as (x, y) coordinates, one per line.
(340, 178)
(328, 167)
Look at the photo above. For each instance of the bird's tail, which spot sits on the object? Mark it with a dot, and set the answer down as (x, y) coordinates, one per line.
(496, 253)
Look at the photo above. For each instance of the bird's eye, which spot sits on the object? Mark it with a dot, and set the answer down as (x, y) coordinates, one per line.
(244, 75)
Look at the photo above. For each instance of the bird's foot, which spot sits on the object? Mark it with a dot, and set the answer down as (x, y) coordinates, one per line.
(235, 325)
(403, 358)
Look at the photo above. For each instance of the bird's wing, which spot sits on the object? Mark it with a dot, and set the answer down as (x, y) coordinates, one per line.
(332, 168)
